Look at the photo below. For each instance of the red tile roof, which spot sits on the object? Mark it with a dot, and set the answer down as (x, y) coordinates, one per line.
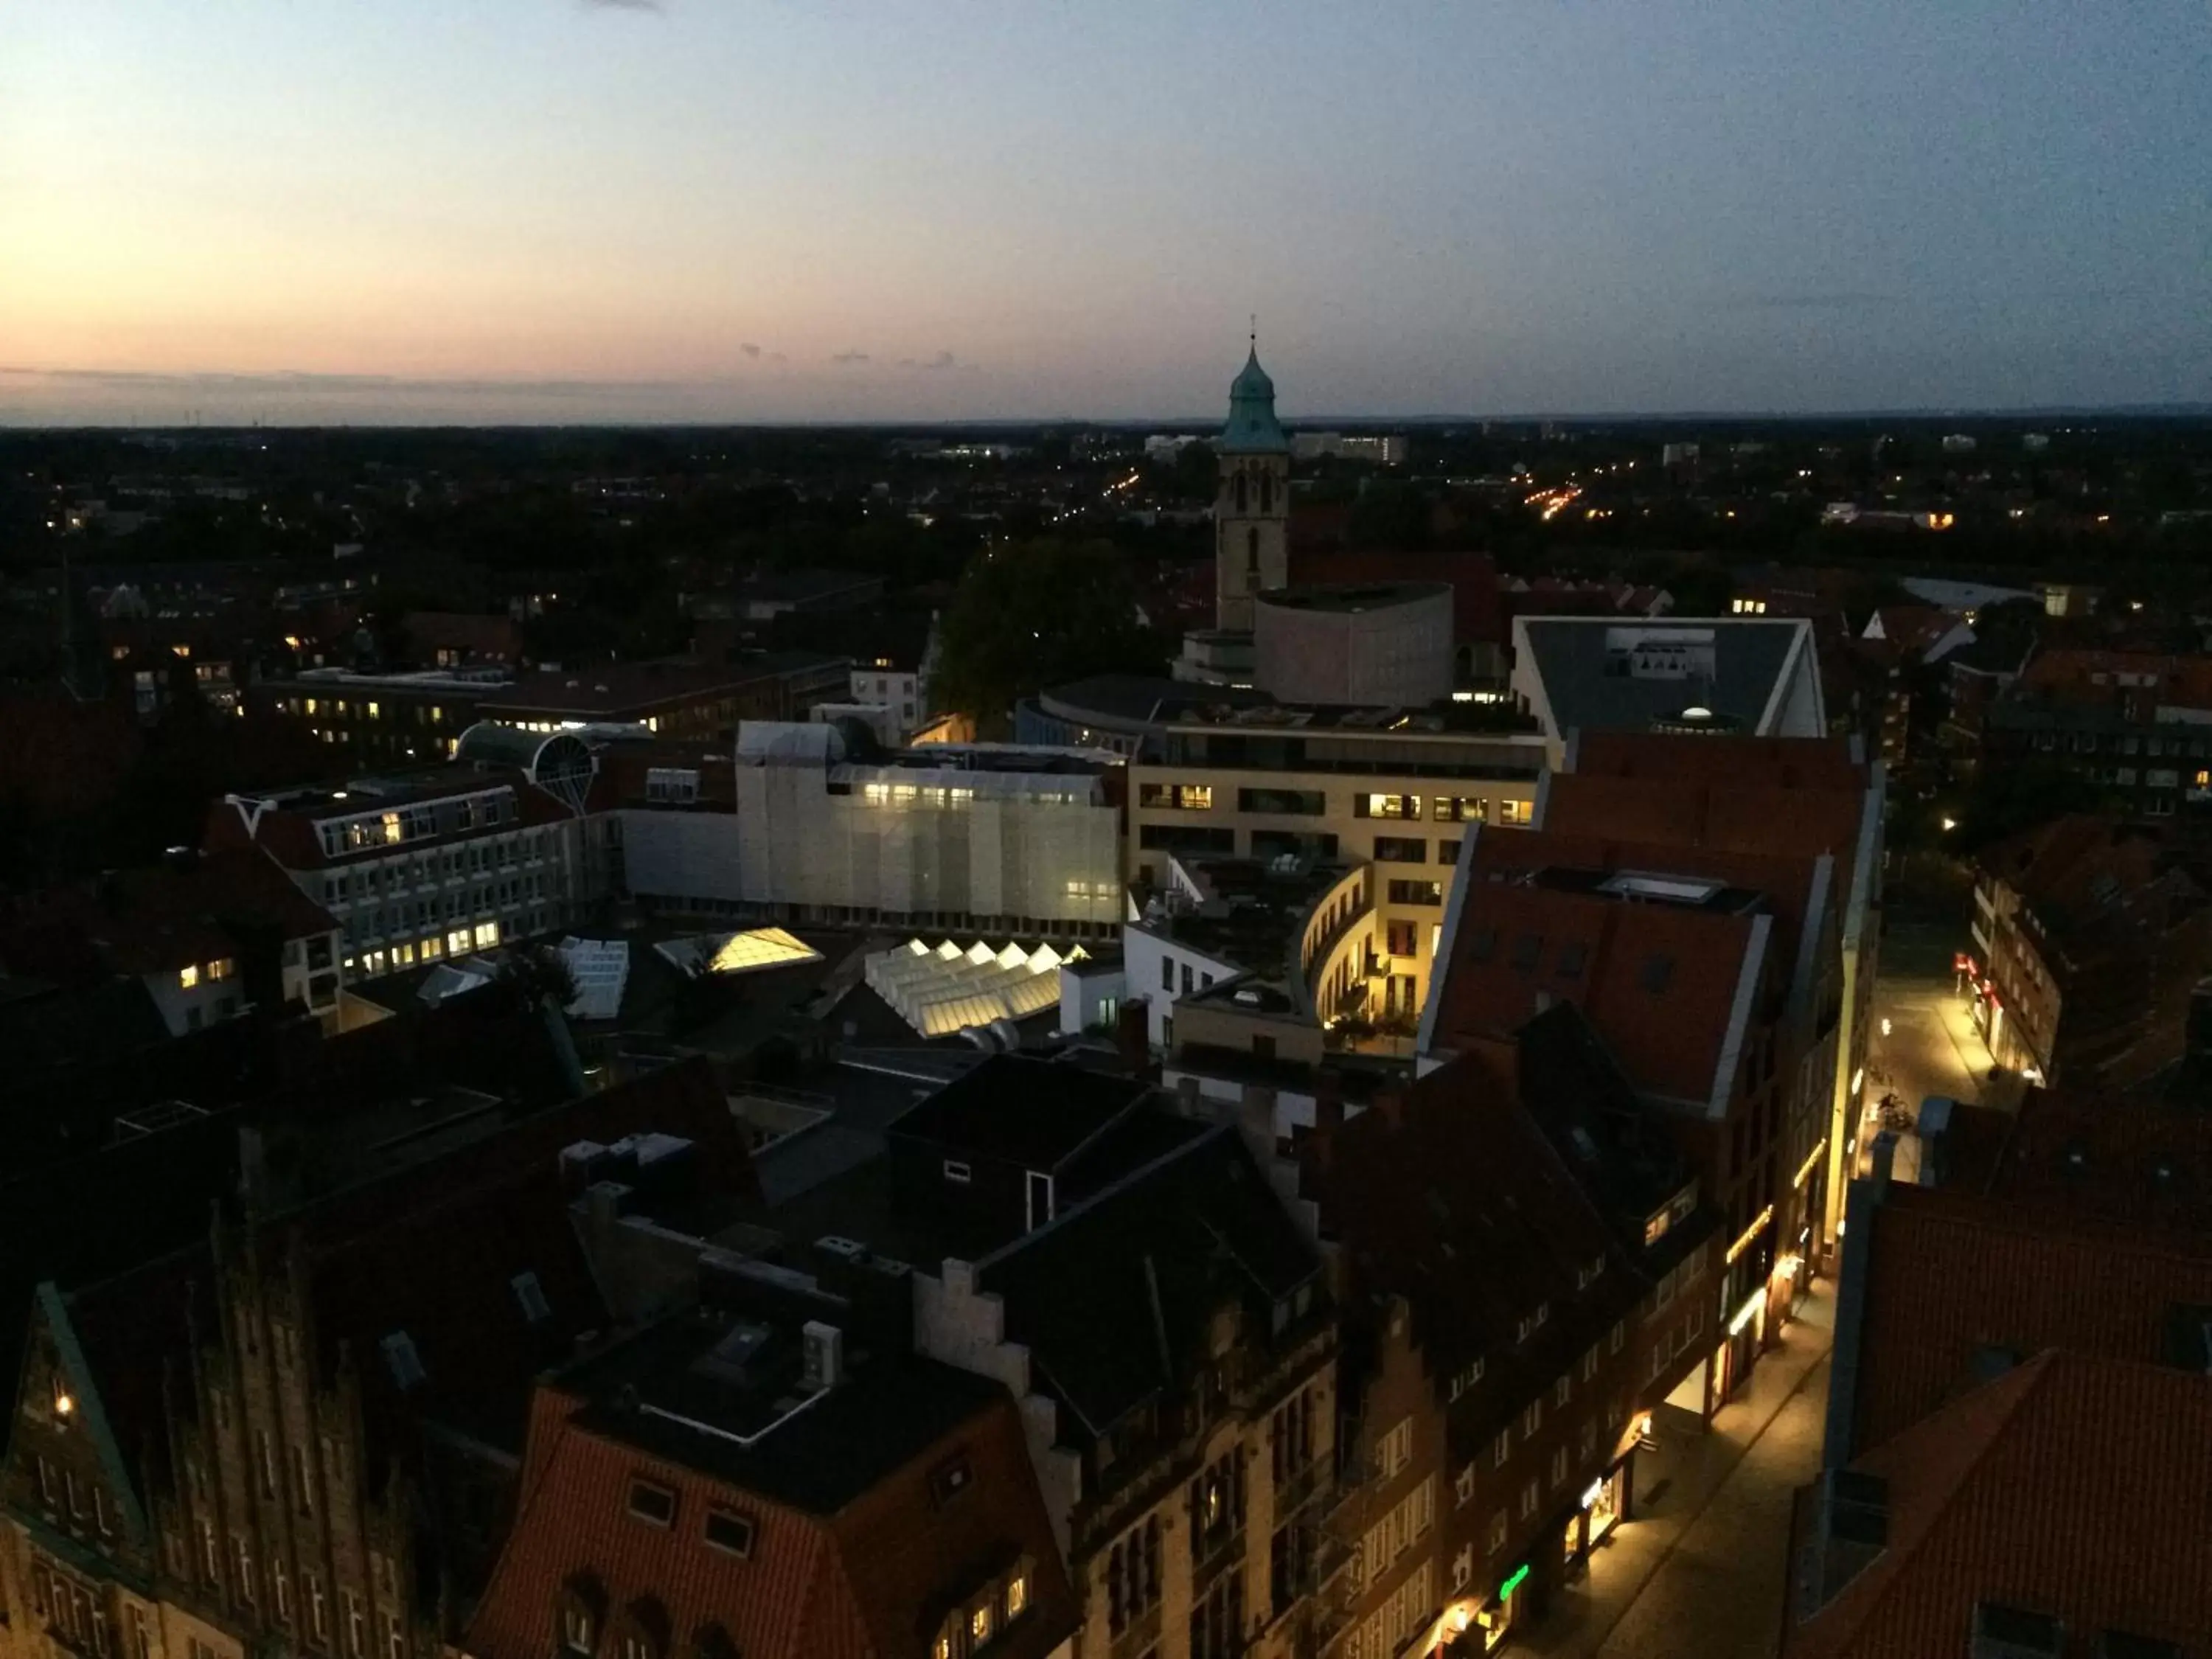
(2073, 1486)
(2086, 678)
(2125, 1159)
(1951, 1274)
(160, 918)
(1670, 1040)
(870, 1581)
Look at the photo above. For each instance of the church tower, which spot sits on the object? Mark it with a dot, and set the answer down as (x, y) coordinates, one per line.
(1252, 512)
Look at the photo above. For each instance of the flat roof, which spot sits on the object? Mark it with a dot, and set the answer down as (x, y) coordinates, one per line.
(1354, 597)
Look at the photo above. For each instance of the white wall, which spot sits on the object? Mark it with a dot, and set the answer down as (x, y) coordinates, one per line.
(680, 855)
(994, 855)
(1144, 955)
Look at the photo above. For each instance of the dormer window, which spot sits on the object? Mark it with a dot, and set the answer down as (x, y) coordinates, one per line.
(958, 1173)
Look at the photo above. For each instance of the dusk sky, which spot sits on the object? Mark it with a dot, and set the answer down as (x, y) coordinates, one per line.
(297, 210)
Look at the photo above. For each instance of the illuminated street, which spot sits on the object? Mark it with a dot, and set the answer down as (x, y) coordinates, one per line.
(1697, 1574)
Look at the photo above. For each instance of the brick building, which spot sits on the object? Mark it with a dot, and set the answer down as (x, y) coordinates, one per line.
(1504, 1337)
(279, 1441)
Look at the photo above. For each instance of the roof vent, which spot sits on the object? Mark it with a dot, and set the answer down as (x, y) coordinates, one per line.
(836, 1244)
(2009, 1632)
(824, 1364)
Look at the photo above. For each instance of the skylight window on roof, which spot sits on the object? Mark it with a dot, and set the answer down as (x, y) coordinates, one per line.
(656, 1505)
(1663, 889)
(729, 1531)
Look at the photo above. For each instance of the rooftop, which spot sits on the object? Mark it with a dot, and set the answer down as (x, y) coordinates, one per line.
(2068, 1488)
(1353, 597)
(1598, 673)
(1036, 1113)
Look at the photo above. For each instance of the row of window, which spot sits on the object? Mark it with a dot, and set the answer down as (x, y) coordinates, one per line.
(1314, 803)
(193, 974)
(387, 959)
(422, 870)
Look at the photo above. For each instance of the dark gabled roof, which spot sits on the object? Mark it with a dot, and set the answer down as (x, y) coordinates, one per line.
(870, 1576)
(1621, 1154)
(1115, 1299)
(888, 1408)
(431, 1250)
(1455, 1198)
(1035, 1113)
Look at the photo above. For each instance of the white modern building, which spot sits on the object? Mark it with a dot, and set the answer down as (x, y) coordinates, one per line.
(977, 837)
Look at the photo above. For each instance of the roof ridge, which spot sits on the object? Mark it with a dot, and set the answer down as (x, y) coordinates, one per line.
(2006, 1394)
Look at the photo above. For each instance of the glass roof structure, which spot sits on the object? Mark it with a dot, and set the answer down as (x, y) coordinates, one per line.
(944, 991)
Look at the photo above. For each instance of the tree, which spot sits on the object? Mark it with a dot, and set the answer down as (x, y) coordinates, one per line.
(1030, 615)
(534, 974)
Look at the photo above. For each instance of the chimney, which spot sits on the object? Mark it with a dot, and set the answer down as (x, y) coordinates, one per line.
(1329, 1100)
(1132, 1038)
(824, 1364)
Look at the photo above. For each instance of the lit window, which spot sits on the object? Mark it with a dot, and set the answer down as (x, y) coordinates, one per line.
(487, 935)
(1018, 1596)
(979, 1624)
(188, 976)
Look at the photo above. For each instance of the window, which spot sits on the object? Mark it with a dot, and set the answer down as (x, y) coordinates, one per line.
(355, 1624)
(319, 1613)
(1517, 812)
(1501, 1450)
(1463, 1485)
(1589, 1364)
(1587, 1439)
(1395, 1450)
(1463, 1568)
(1415, 892)
(1462, 809)
(979, 1624)
(1563, 1390)
(1133, 1575)
(1177, 797)
(958, 1173)
(1217, 1621)
(1619, 1335)
(1447, 852)
(1401, 849)
(1559, 1467)
(1495, 1539)
(1217, 1504)
(1532, 1419)
(1529, 1501)
(1292, 1443)
(728, 1531)
(1407, 807)
(1017, 1595)
(575, 1625)
(188, 976)
(653, 1504)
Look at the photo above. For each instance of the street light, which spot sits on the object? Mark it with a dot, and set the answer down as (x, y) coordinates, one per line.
(1885, 1024)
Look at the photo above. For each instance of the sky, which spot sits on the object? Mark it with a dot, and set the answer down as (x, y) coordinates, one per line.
(573, 210)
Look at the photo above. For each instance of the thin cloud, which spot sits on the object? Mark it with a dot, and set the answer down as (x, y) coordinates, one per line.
(623, 5)
(1818, 301)
(750, 348)
(846, 358)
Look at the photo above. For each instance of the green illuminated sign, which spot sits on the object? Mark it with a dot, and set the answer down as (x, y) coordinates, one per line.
(1513, 1582)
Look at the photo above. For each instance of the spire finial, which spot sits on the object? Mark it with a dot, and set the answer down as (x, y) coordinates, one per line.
(1255, 333)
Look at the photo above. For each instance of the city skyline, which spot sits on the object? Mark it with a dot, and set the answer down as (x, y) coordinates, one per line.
(549, 211)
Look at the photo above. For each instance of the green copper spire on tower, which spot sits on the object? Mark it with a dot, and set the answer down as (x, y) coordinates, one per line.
(1252, 429)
